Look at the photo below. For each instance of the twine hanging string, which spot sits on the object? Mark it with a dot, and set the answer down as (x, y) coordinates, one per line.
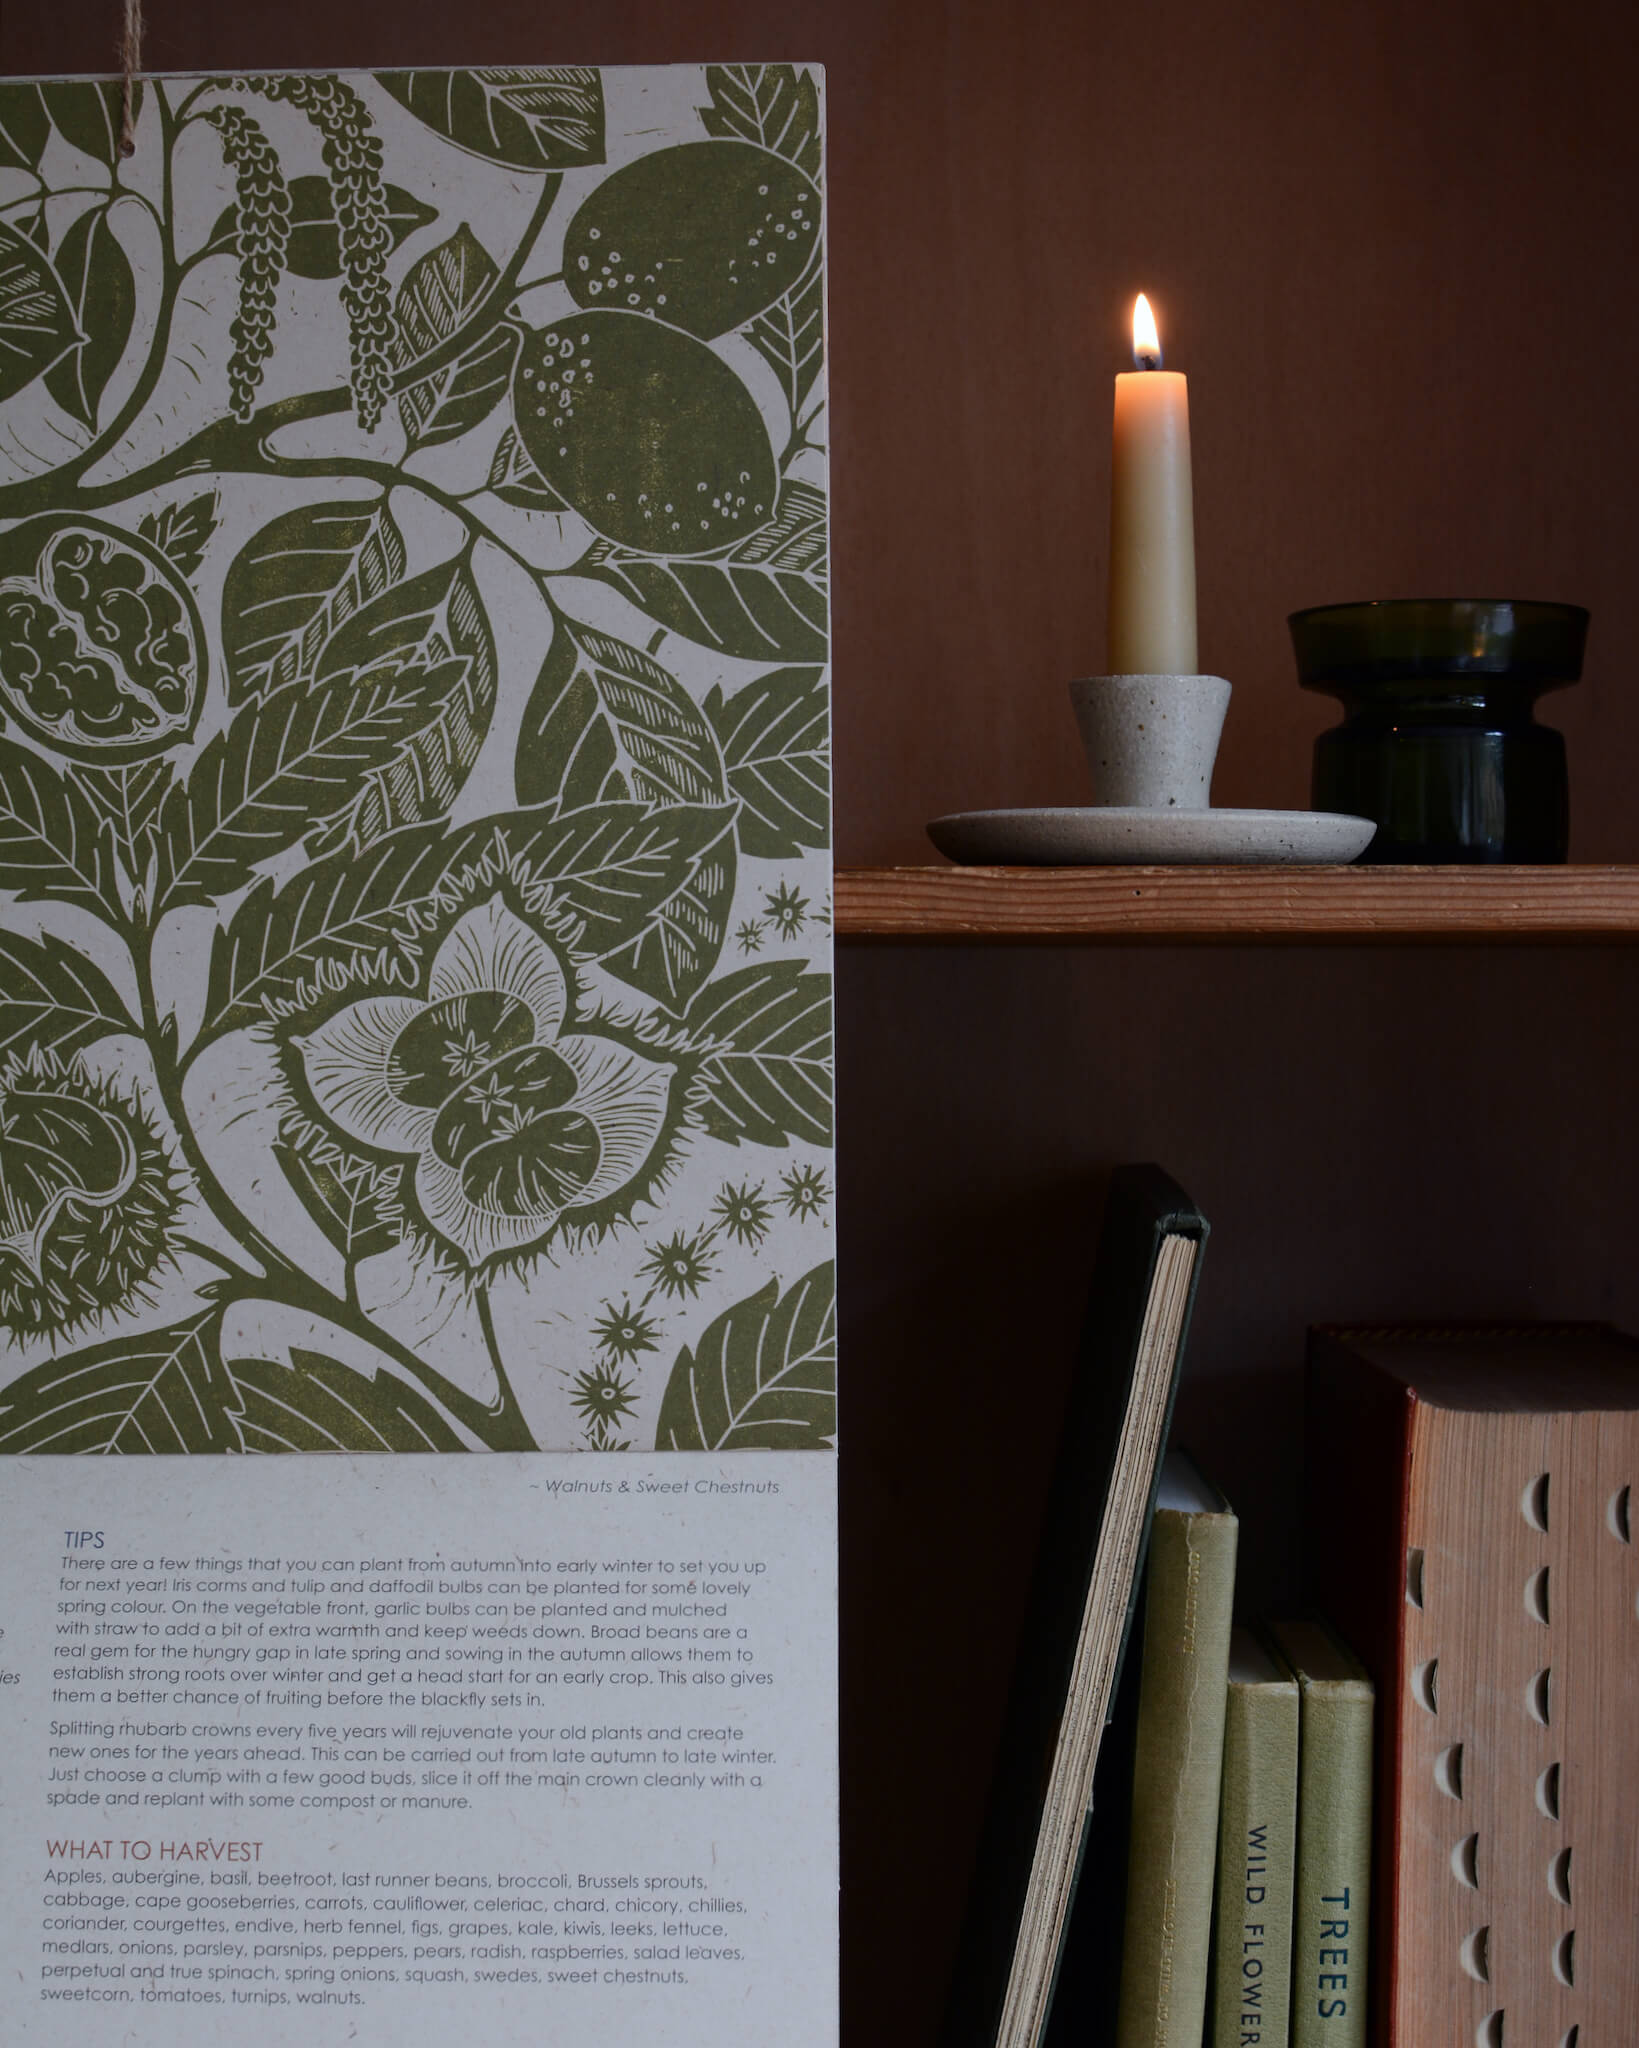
(131, 66)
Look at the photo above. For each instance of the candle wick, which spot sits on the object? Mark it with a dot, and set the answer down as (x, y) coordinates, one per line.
(1147, 359)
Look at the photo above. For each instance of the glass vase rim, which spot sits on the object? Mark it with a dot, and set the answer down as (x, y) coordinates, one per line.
(1544, 608)
(1532, 643)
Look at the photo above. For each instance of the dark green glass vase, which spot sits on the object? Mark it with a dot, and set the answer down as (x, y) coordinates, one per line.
(1439, 742)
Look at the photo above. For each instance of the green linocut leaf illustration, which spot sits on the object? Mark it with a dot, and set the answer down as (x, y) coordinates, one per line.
(130, 799)
(514, 478)
(706, 235)
(461, 396)
(443, 289)
(790, 338)
(538, 119)
(767, 600)
(418, 778)
(182, 531)
(674, 957)
(346, 1196)
(647, 433)
(606, 721)
(164, 1392)
(52, 997)
(775, 740)
(621, 868)
(432, 634)
(362, 909)
(766, 1033)
(774, 104)
(102, 301)
(25, 126)
(297, 582)
(616, 868)
(52, 843)
(762, 1377)
(314, 250)
(317, 1404)
(89, 114)
(442, 292)
(283, 763)
(36, 321)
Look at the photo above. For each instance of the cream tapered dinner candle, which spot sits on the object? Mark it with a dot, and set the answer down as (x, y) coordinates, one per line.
(1152, 517)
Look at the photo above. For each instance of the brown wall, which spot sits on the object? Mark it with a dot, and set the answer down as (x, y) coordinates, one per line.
(1392, 245)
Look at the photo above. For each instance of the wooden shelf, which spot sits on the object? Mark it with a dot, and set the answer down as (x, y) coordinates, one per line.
(1239, 906)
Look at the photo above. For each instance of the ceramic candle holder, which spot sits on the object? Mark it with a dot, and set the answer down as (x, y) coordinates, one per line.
(1151, 740)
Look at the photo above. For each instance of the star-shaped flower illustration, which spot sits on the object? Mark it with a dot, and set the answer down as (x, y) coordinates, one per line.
(803, 1191)
(603, 1395)
(680, 1266)
(492, 1093)
(743, 1212)
(464, 1056)
(750, 935)
(625, 1331)
(555, 1119)
(788, 910)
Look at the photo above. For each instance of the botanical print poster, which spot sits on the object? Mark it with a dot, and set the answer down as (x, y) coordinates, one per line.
(415, 1018)
(415, 1036)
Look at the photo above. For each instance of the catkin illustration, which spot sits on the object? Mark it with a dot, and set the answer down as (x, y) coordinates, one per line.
(352, 157)
(262, 237)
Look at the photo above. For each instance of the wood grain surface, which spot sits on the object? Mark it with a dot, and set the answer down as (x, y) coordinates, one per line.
(1382, 905)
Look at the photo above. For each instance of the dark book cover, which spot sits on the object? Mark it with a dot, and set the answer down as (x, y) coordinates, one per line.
(1105, 1431)
(1087, 1992)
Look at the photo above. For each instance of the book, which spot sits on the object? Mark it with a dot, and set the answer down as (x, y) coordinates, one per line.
(416, 1037)
(1257, 1849)
(1097, 1523)
(1489, 1580)
(1188, 1601)
(1331, 1887)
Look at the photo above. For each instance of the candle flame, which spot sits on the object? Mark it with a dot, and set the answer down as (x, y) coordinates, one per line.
(1146, 341)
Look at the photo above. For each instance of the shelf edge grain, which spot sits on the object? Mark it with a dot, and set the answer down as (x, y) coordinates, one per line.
(1238, 905)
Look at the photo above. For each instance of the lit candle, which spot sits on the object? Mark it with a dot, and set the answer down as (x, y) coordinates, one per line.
(1152, 516)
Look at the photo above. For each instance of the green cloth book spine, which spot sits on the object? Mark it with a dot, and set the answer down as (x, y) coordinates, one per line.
(1257, 1852)
(1330, 1909)
(1177, 1765)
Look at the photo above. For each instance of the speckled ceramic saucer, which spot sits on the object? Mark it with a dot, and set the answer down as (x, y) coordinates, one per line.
(1109, 835)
